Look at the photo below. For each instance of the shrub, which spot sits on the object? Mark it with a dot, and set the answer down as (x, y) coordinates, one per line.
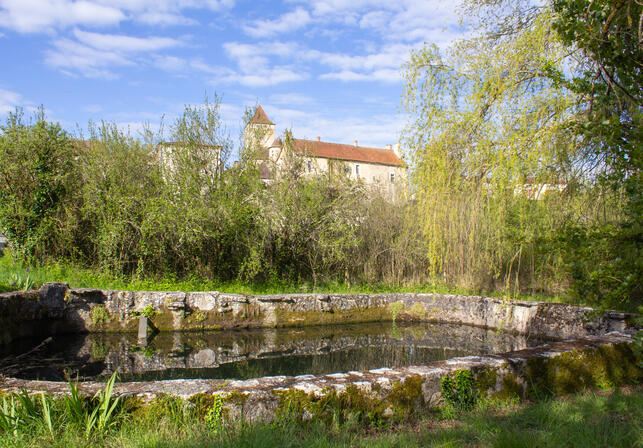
(459, 390)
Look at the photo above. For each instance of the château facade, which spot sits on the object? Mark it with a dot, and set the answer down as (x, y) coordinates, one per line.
(377, 167)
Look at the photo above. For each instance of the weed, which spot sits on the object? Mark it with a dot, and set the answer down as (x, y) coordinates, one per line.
(148, 312)
(99, 315)
(214, 414)
(459, 390)
(22, 282)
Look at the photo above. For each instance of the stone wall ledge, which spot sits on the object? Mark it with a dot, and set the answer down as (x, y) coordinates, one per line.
(557, 368)
(56, 309)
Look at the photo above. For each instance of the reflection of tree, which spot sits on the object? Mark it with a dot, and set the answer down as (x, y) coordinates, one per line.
(256, 353)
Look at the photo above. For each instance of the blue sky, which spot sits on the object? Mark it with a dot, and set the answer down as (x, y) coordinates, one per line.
(329, 68)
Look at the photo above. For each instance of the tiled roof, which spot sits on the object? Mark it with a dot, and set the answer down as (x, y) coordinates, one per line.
(347, 152)
(260, 117)
(181, 144)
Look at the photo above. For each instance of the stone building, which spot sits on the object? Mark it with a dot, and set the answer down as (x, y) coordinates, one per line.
(377, 167)
(206, 156)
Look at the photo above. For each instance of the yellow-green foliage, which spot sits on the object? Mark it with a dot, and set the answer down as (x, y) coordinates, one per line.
(287, 318)
(416, 312)
(163, 408)
(395, 309)
(213, 416)
(203, 403)
(490, 132)
(603, 367)
(511, 389)
(99, 315)
(406, 397)
(353, 404)
(606, 366)
(198, 317)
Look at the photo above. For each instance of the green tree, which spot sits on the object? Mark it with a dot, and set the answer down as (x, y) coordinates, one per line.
(488, 127)
(606, 37)
(38, 179)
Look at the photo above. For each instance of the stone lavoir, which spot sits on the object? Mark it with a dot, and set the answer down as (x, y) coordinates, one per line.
(557, 347)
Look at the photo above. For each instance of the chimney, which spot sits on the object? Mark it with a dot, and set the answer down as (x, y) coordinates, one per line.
(318, 139)
(356, 143)
(397, 150)
(389, 147)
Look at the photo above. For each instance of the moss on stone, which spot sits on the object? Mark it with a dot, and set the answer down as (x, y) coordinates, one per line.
(606, 366)
(286, 318)
(417, 312)
(370, 408)
(511, 388)
(99, 316)
(132, 403)
(331, 407)
(236, 397)
(406, 397)
(485, 380)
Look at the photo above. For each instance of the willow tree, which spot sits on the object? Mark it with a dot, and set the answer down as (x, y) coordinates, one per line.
(489, 137)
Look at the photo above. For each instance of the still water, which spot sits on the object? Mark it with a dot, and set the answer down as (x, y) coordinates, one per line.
(243, 354)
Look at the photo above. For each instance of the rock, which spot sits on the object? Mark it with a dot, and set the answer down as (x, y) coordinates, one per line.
(52, 297)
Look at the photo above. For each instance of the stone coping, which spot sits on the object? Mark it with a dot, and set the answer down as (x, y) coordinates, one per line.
(57, 309)
(186, 388)
(260, 396)
(604, 338)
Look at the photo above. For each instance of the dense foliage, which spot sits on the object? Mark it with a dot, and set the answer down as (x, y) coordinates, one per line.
(526, 141)
(524, 150)
(144, 208)
(606, 38)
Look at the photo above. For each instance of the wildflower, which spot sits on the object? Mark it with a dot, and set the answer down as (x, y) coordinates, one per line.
(13, 283)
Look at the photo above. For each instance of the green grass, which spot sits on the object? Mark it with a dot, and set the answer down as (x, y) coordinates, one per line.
(13, 270)
(586, 420)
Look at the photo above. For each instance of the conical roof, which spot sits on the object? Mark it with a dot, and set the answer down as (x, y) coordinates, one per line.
(260, 117)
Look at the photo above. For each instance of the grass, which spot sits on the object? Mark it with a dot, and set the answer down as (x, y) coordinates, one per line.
(15, 271)
(590, 419)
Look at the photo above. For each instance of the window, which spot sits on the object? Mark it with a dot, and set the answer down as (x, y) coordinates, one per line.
(357, 170)
(310, 166)
(347, 170)
(392, 177)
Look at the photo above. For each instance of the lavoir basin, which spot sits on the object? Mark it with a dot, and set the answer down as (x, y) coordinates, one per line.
(251, 353)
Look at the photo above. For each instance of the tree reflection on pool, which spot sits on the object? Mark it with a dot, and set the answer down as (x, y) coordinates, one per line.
(244, 354)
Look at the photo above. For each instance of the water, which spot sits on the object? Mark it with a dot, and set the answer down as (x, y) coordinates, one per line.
(244, 354)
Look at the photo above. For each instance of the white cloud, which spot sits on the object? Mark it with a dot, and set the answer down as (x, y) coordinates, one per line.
(164, 18)
(28, 16)
(383, 65)
(35, 16)
(9, 101)
(342, 127)
(73, 57)
(375, 19)
(402, 20)
(384, 75)
(183, 66)
(94, 55)
(126, 44)
(288, 22)
(171, 63)
(254, 65)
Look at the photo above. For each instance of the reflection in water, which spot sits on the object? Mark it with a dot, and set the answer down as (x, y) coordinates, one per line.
(253, 353)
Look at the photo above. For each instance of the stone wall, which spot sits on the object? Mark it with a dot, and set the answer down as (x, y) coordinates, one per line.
(558, 368)
(56, 309)
(597, 352)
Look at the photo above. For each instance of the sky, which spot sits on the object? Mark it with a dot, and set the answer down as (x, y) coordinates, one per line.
(327, 68)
